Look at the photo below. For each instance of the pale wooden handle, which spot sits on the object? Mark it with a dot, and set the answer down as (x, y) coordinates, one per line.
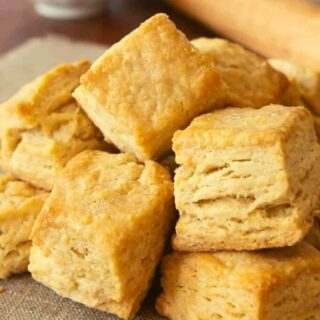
(288, 29)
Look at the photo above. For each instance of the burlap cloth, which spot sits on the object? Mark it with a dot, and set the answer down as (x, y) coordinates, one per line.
(23, 298)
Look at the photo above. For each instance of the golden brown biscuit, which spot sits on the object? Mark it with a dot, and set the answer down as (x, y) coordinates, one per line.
(248, 179)
(101, 234)
(42, 127)
(274, 284)
(20, 204)
(147, 86)
(307, 81)
(251, 80)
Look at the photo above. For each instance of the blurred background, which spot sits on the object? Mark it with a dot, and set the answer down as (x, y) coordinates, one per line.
(20, 21)
(288, 29)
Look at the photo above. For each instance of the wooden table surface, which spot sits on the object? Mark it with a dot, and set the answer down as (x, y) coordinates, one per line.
(19, 22)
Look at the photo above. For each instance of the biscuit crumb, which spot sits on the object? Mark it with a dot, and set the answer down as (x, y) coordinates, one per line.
(2, 289)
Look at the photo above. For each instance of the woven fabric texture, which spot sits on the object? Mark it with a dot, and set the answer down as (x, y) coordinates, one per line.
(25, 299)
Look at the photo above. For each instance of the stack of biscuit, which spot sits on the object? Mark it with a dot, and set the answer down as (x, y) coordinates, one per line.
(88, 202)
(41, 129)
(247, 191)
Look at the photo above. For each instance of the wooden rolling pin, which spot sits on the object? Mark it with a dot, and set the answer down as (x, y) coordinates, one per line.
(288, 29)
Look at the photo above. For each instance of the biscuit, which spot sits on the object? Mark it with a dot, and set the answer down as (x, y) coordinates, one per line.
(307, 81)
(20, 204)
(248, 179)
(252, 82)
(42, 127)
(148, 85)
(101, 234)
(274, 284)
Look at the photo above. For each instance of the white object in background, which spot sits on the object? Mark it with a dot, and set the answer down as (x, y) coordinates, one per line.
(69, 9)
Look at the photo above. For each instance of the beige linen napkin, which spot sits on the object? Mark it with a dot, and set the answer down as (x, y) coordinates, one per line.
(23, 298)
(38, 55)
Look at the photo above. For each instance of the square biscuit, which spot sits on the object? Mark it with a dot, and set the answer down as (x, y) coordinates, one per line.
(273, 284)
(101, 234)
(251, 81)
(148, 85)
(248, 179)
(42, 127)
(20, 203)
(306, 80)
